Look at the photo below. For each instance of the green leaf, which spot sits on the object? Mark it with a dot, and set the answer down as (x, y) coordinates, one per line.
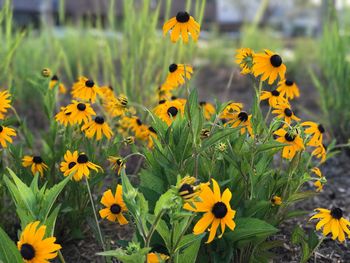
(189, 254)
(187, 240)
(120, 254)
(164, 202)
(8, 250)
(216, 137)
(250, 228)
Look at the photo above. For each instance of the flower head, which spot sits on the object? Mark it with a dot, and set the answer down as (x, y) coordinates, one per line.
(217, 211)
(320, 152)
(292, 139)
(288, 88)
(114, 206)
(169, 110)
(85, 89)
(70, 160)
(332, 221)
(274, 98)
(81, 167)
(208, 109)
(97, 127)
(276, 200)
(244, 58)
(34, 248)
(117, 163)
(156, 257)
(182, 24)
(320, 180)
(37, 164)
(284, 111)
(269, 66)
(178, 74)
(80, 112)
(56, 82)
(4, 103)
(5, 135)
(316, 131)
(64, 117)
(188, 189)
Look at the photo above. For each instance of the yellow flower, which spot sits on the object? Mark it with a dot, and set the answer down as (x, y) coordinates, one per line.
(230, 110)
(276, 200)
(82, 167)
(4, 103)
(156, 257)
(64, 117)
(80, 112)
(284, 111)
(34, 248)
(288, 89)
(85, 89)
(294, 143)
(114, 206)
(97, 126)
(269, 65)
(183, 24)
(188, 190)
(54, 82)
(70, 160)
(169, 110)
(117, 163)
(115, 106)
(316, 131)
(321, 179)
(320, 152)
(178, 74)
(274, 97)
(217, 211)
(244, 58)
(208, 109)
(332, 221)
(5, 135)
(243, 120)
(37, 164)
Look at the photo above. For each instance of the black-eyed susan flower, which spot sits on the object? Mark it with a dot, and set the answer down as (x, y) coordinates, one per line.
(182, 24)
(288, 88)
(34, 248)
(284, 111)
(85, 89)
(178, 74)
(205, 133)
(156, 257)
(115, 106)
(244, 58)
(276, 200)
(56, 82)
(188, 189)
(164, 91)
(230, 110)
(80, 112)
(36, 164)
(70, 160)
(82, 167)
(217, 211)
(268, 65)
(117, 163)
(46, 72)
(243, 120)
(169, 110)
(320, 152)
(97, 127)
(320, 180)
(64, 117)
(106, 92)
(129, 140)
(332, 221)
(292, 139)
(5, 135)
(274, 98)
(114, 206)
(208, 109)
(4, 103)
(316, 131)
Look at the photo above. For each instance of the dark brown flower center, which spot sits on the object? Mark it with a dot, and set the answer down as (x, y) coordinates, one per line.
(37, 160)
(186, 188)
(289, 137)
(243, 116)
(275, 93)
(289, 82)
(71, 165)
(89, 83)
(321, 128)
(336, 213)
(172, 111)
(224, 121)
(81, 106)
(115, 209)
(202, 103)
(99, 120)
(54, 77)
(161, 101)
(172, 67)
(288, 112)
(182, 17)
(139, 122)
(27, 251)
(82, 158)
(151, 129)
(219, 210)
(173, 98)
(1, 128)
(276, 60)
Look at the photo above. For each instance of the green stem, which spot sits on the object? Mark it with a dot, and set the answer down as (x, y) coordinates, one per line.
(154, 226)
(95, 215)
(60, 256)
